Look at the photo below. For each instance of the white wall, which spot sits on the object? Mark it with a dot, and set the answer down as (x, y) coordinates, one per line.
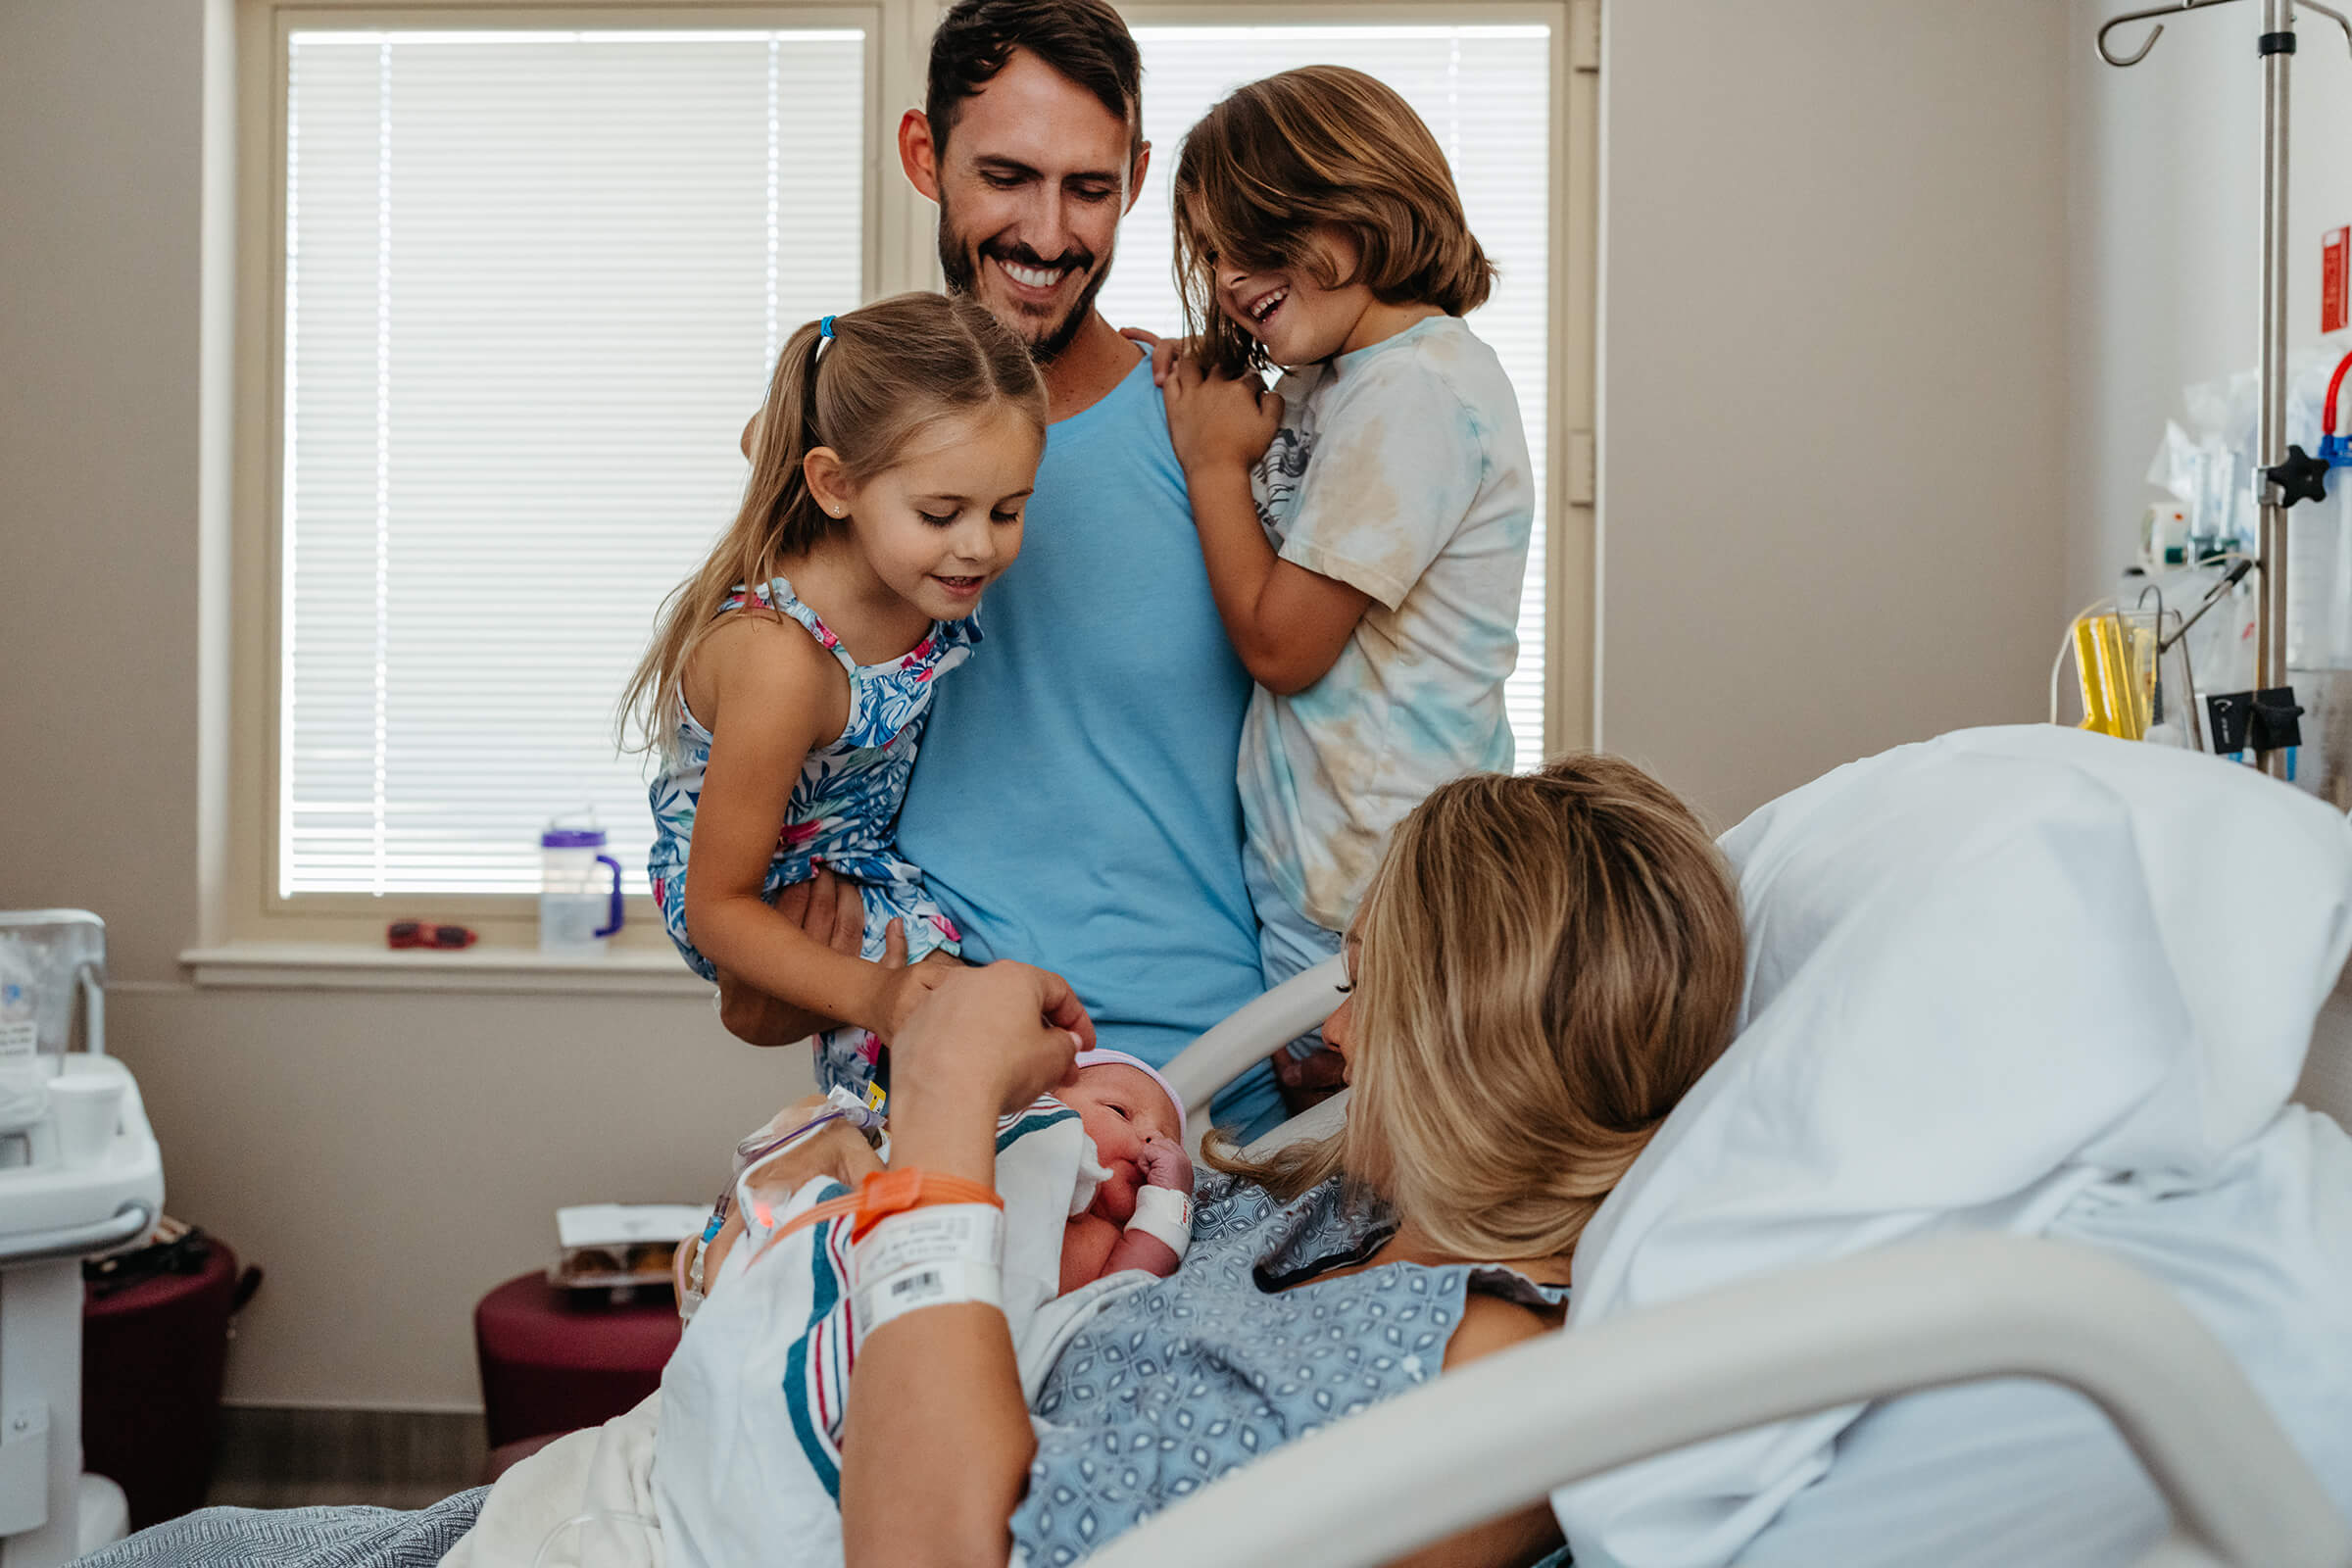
(2165, 246)
(1833, 403)
(385, 1158)
(1833, 392)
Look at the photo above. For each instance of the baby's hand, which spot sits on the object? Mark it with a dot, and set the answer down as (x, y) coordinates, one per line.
(1163, 1163)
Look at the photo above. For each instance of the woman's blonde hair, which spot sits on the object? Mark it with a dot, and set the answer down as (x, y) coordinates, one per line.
(890, 370)
(1322, 144)
(1548, 963)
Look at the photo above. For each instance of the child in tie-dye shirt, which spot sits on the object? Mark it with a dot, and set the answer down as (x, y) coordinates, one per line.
(1365, 524)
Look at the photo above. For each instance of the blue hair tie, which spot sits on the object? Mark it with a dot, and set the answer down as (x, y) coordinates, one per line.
(825, 329)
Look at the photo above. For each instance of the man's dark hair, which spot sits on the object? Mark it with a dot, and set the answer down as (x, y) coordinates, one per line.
(1085, 40)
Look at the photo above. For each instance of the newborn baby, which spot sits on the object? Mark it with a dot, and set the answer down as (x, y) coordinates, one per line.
(1134, 1126)
(737, 1460)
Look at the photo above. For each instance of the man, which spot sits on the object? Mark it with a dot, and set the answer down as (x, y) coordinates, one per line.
(1075, 805)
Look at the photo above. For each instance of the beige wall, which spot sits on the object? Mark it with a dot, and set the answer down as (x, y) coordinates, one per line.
(1832, 454)
(1833, 392)
(385, 1158)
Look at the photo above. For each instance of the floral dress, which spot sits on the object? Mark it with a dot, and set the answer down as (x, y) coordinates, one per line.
(843, 813)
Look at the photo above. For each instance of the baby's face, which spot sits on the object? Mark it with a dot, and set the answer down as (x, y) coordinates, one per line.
(1120, 1108)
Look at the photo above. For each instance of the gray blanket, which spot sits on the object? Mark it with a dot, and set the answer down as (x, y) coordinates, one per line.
(303, 1537)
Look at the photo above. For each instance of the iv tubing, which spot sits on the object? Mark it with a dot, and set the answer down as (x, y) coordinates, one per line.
(2336, 384)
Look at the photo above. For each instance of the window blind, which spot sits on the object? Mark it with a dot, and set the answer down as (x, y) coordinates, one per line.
(1485, 94)
(534, 281)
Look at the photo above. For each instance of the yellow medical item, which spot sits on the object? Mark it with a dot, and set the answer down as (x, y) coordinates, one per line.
(2115, 658)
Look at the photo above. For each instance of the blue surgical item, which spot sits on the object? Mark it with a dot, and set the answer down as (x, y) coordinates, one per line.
(1074, 805)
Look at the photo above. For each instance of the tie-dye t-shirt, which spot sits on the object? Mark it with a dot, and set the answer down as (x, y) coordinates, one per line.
(1402, 469)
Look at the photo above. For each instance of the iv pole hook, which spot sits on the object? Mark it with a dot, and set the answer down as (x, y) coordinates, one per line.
(2154, 32)
(2157, 31)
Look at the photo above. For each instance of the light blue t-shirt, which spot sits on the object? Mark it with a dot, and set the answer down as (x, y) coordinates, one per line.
(1075, 803)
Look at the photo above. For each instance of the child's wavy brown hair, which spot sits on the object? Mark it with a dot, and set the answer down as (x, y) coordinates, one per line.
(892, 367)
(1322, 144)
(1549, 963)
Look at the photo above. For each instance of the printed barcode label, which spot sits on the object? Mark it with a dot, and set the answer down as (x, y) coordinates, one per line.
(913, 1287)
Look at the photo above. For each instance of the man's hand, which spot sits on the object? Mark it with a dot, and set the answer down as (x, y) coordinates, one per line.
(832, 911)
(904, 985)
(1217, 421)
(1308, 1081)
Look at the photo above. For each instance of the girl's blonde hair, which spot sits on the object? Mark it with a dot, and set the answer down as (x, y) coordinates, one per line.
(890, 370)
(1322, 144)
(1548, 963)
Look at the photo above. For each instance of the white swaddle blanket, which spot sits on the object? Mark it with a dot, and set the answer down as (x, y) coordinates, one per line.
(2024, 979)
(737, 1460)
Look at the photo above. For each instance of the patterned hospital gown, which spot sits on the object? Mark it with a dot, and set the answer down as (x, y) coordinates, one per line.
(843, 813)
(1190, 1376)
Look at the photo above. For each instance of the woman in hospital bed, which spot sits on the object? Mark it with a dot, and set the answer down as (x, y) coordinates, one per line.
(1544, 965)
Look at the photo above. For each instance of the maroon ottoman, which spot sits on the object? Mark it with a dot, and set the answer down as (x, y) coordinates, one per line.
(554, 1363)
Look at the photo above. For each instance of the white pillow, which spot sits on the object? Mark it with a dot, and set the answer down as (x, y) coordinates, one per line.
(1984, 973)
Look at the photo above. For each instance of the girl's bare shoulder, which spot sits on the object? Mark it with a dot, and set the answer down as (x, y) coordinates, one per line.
(760, 660)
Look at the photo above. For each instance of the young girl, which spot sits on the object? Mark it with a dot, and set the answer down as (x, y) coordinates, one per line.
(1366, 525)
(890, 464)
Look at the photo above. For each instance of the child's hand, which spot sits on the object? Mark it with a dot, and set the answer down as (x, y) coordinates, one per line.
(1216, 421)
(1166, 351)
(1163, 1163)
(904, 985)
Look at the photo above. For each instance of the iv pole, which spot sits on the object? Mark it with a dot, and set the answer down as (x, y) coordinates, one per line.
(2284, 474)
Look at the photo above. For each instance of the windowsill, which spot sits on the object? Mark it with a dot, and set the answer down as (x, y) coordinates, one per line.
(347, 967)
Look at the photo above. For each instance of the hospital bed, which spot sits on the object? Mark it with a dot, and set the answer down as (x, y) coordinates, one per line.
(1505, 1433)
(2008, 1113)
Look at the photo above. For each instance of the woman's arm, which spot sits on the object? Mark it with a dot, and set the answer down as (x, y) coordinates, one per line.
(774, 695)
(1287, 625)
(1490, 1324)
(935, 1394)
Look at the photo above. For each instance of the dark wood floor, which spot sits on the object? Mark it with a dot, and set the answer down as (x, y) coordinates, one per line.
(272, 1459)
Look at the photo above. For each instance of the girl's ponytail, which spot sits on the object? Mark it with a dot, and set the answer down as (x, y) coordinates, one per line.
(861, 384)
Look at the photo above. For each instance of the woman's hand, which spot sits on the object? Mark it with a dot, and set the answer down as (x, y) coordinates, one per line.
(997, 1036)
(1218, 421)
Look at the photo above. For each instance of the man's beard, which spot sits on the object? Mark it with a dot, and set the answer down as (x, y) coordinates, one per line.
(960, 264)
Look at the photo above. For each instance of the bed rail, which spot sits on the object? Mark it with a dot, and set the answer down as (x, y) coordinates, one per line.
(1248, 1034)
(1510, 1430)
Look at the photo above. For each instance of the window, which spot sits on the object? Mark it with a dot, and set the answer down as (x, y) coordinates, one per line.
(521, 270)
(533, 284)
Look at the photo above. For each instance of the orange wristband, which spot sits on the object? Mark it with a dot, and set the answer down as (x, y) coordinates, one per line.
(885, 1192)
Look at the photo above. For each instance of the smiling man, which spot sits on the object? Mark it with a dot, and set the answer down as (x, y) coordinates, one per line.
(1075, 803)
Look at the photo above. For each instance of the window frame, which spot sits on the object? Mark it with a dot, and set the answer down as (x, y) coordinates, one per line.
(898, 253)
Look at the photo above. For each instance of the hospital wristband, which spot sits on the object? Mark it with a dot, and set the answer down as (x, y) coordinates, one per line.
(1164, 1213)
(943, 1255)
